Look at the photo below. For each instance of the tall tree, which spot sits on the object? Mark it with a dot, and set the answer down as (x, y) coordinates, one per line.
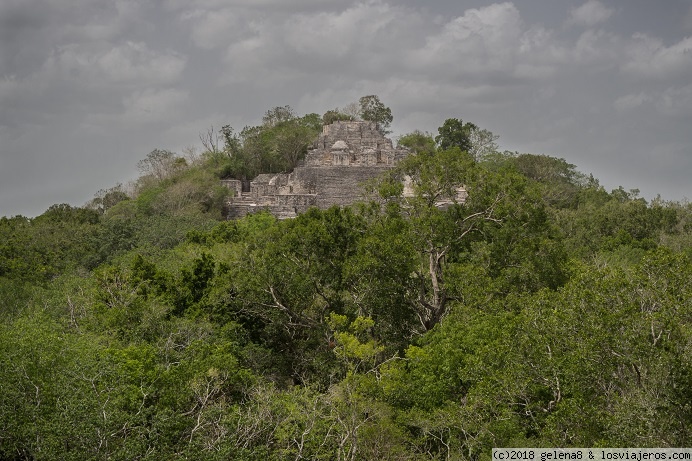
(160, 164)
(373, 110)
(483, 143)
(418, 142)
(278, 115)
(501, 218)
(455, 133)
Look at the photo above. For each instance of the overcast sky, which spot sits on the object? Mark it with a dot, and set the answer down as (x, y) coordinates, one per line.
(89, 87)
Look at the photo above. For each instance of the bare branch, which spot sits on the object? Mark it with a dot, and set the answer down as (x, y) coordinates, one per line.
(210, 140)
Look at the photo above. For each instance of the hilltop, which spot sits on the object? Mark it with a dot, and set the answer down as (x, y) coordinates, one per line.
(398, 318)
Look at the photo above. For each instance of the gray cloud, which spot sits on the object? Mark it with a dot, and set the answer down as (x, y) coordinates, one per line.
(88, 87)
(648, 57)
(590, 13)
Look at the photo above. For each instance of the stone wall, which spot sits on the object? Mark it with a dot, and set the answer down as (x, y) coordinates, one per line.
(235, 185)
(353, 144)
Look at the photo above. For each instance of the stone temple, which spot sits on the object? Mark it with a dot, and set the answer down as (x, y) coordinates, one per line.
(344, 156)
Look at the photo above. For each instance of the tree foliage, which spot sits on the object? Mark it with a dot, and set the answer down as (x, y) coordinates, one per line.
(418, 142)
(335, 115)
(477, 301)
(455, 133)
(277, 145)
(373, 110)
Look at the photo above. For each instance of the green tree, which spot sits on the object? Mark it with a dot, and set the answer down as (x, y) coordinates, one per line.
(483, 143)
(231, 140)
(455, 133)
(160, 164)
(293, 138)
(277, 116)
(108, 198)
(275, 146)
(497, 225)
(560, 181)
(418, 142)
(278, 144)
(297, 279)
(63, 238)
(373, 110)
(434, 230)
(334, 115)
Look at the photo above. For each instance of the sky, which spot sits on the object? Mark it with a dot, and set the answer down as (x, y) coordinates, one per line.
(90, 87)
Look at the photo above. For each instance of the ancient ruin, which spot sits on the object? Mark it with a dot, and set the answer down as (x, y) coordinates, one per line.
(345, 155)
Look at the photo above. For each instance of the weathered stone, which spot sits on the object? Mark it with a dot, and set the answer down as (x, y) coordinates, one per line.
(345, 155)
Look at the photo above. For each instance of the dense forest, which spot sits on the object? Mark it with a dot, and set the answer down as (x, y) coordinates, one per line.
(540, 311)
